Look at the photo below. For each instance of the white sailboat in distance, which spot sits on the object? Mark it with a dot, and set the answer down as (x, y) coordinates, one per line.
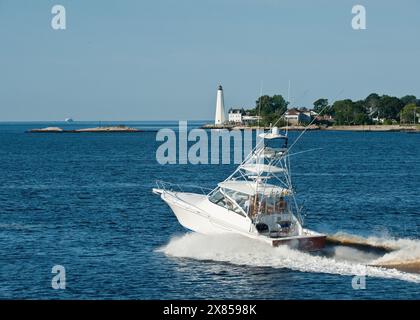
(256, 201)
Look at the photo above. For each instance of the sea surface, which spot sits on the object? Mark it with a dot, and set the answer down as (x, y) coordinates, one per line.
(84, 201)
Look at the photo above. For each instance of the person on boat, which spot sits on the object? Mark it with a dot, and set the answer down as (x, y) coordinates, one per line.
(229, 205)
(263, 205)
(246, 205)
(281, 204)
(253, 206)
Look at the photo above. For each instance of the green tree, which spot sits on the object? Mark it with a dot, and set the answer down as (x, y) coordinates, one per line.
(409, 113)
(389, 107)
(347, 112)
(360, 113)
(321, 106)
(408, 99)
(270, 108)
(371, 104)
(342, 110)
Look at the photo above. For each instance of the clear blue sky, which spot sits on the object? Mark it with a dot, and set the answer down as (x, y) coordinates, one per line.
(163, 60)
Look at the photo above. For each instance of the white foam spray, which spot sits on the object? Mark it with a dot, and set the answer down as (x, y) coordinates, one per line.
(239, 250)
(403, 251)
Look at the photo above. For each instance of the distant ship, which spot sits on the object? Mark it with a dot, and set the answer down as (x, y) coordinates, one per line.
(68, 120)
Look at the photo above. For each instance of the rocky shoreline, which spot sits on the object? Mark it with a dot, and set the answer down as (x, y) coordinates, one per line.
(356, 128)
(97, 129)
(377, 128)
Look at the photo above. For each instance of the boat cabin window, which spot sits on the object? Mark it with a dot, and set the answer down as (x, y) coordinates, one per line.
(273, 204)
(217, 197)
(241, 199)
(278, 143)
(220, 199)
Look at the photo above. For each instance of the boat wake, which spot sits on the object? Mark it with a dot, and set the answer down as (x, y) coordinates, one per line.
(402, 254)
(393, 259)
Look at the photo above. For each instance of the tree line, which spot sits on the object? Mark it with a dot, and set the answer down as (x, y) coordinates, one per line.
(374, 109)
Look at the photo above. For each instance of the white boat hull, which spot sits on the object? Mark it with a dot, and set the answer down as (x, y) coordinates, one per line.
(212, 220)
(195, 221)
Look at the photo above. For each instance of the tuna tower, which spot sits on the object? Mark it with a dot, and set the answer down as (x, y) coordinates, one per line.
(220, 108)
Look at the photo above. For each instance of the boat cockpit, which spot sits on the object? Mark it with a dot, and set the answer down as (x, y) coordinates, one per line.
(270, 213)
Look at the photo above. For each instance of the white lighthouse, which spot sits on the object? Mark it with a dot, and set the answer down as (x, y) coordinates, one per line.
(220, 108)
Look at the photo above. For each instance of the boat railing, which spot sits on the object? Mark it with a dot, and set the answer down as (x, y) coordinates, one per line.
(177, 187)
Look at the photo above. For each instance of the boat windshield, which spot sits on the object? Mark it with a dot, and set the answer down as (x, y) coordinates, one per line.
(222, 200)
(240, 198)
(278, 143)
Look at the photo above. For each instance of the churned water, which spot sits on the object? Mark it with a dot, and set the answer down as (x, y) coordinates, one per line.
(84, 201)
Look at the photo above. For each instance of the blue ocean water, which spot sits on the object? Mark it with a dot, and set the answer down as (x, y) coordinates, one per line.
(84, 201)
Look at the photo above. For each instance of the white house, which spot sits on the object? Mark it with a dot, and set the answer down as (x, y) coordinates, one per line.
(246, 119)
(236, 116)
(295, 116)
(240, 117)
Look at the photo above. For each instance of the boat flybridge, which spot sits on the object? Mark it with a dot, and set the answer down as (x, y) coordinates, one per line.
(256, 201)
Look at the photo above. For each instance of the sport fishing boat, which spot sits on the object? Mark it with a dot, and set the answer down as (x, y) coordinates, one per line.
(256, 201)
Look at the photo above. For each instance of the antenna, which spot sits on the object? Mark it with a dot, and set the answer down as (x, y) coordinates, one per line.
(288, 102)
(259, 104)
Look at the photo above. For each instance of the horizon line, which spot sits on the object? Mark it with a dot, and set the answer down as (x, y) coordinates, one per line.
(74, 121)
